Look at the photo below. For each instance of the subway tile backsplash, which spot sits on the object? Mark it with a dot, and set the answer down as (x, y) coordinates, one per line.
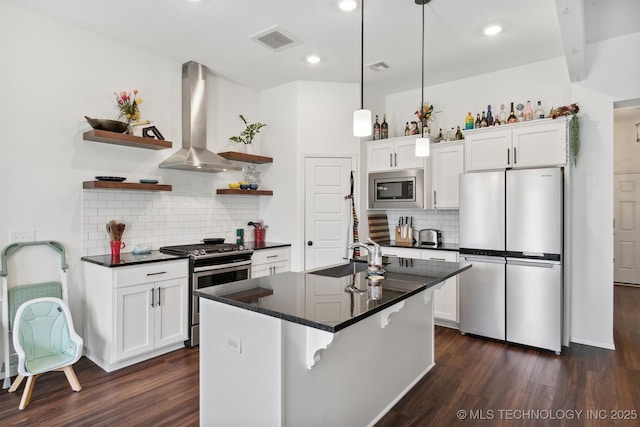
(443, 220)
(159, 219)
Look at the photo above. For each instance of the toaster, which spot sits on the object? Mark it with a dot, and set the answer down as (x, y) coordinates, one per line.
(429, 237)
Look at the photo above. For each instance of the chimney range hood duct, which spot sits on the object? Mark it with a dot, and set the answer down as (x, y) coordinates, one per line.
(194, 156)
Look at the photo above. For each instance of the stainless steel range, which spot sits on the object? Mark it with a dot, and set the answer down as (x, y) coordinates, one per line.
(211, 263)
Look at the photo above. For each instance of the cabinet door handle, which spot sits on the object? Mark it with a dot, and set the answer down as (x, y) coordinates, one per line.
(508, 156)
(159, 293)
(434, 198)
(155, 274)
(273, 256)
(395, 159)
(390, 160)
(437, 259)
(153, 297)
(515, 156)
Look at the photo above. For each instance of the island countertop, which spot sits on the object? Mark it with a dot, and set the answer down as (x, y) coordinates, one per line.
(332, 303)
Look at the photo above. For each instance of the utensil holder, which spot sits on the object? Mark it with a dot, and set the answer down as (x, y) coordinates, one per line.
(258, 235)
(116, 245)
(404, 241)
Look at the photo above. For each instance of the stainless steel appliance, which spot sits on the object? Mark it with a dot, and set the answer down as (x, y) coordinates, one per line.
(429, 237)
(511, 230)
(212, 263)
(403, 189)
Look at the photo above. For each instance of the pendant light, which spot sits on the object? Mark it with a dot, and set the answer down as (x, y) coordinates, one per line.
(422, 143)
(362, 117)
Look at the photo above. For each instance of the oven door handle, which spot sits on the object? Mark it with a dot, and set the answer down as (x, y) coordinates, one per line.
(221, 266)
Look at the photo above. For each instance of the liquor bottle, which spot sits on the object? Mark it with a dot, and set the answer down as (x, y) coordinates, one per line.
(519, 113)
(528, 112)
(468, 121)
(483, 121)
(489, 116)
(453, 135)
(384, 129)
(459, 134)
(477, 124)
(539, 113)
(502, 115)
(376, 130)
(512, 116)
(407, 131)
(441, 135)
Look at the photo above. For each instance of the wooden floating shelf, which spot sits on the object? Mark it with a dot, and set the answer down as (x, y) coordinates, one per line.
(238, 192)
(126, 140)
(244, 157)
(114, 185)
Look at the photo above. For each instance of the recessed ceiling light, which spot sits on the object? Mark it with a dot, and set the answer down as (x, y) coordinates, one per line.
(347, 5)
(313, 59)
(492, 30)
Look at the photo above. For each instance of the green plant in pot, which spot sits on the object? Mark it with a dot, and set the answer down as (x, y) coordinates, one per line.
(250, 132)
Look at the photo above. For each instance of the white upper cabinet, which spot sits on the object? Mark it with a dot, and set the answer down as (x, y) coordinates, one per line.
(391, 154)
(447, 163)
(522, 145)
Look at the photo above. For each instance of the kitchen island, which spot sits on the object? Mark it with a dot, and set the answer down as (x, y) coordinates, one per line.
(322, 347)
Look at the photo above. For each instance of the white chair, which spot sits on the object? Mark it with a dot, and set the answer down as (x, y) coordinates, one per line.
(44, 339)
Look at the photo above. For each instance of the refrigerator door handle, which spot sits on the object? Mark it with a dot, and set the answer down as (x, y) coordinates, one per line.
(543, 264)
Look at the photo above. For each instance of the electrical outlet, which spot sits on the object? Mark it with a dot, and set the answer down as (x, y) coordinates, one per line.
(22, 236)
(234, 344)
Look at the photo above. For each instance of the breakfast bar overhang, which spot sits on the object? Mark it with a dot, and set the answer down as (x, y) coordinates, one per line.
(324, 347)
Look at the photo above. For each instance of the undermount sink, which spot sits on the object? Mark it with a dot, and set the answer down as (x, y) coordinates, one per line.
(342, 270)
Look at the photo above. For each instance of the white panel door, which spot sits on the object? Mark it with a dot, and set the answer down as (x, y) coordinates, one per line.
(327, 212)
(627, 228)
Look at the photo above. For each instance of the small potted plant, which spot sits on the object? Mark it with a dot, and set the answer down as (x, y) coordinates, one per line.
(250, 132)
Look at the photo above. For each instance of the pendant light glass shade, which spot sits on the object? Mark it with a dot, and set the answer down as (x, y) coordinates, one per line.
(362, 123)
(422, 147)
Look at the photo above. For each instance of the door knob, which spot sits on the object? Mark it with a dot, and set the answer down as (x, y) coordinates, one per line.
(309, 243)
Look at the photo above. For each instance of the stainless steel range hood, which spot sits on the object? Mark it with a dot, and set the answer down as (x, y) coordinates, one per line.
(194, 156)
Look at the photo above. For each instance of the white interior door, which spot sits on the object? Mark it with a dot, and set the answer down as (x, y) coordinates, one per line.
(627, 228)
(327, 212)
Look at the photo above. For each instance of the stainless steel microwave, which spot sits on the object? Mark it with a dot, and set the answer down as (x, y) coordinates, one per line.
(402, 189)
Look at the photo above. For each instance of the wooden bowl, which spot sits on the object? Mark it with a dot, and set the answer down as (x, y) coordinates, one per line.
(108, 125)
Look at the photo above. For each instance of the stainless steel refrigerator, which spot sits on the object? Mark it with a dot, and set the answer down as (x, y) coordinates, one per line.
(511, 231)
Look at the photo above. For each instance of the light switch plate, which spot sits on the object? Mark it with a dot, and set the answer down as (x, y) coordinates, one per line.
(234, 343)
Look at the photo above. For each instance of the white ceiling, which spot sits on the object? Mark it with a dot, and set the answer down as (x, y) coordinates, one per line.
(216, 33)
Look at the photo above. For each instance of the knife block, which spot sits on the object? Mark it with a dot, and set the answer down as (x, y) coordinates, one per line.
(404, 241)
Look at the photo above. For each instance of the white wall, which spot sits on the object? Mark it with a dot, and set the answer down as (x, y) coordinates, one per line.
(51, 75)
(626, 150)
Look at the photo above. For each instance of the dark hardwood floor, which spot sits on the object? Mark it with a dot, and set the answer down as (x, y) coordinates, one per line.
(494, 383)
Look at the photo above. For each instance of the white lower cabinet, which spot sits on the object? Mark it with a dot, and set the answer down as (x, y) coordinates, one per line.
(445, 300)
(135, 313)
(265, 262)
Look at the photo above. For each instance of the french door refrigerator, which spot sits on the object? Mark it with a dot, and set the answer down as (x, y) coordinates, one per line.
(511, 232)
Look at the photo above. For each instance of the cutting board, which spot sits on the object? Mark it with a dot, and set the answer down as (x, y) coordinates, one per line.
(379, 229)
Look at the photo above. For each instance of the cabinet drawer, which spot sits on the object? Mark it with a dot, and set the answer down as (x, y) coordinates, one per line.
(153, 272)
(264, 256)
(440, 255)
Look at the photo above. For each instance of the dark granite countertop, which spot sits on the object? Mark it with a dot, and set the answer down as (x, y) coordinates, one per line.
(265, 245)
(129, 258)
(297, 296)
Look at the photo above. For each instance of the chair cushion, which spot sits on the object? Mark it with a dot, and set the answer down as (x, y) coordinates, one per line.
(23, 293)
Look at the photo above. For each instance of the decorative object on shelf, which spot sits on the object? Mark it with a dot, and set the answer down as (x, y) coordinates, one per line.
(425, 110)
(638, 131)
(128, 106)
(234, 185)
(571, 110)
(155, 133)
(148, 181)
(111, 178)
(362, 117)
(250, 132)
(108, 125)
(251, 175)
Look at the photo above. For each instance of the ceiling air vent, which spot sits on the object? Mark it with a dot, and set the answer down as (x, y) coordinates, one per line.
(276, 38)
(378, 66)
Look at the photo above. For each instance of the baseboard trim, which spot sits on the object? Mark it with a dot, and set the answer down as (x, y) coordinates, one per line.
(608, 346)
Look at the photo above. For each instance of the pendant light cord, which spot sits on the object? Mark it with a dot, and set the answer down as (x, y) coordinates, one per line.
(362, 55)
(422, 82)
